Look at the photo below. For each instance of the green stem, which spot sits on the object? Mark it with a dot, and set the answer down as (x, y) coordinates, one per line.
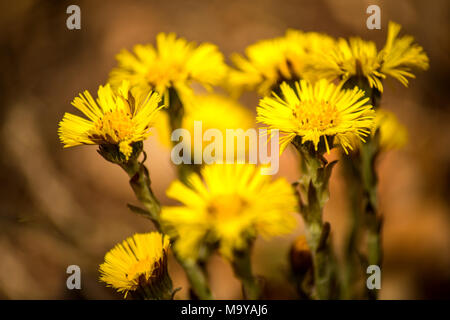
(197, 279)
(366, 177)
(314, 189)
(243, 270)
(369, 152)
(352, 263)
(141, 184)
(176, 113)
(362, 185)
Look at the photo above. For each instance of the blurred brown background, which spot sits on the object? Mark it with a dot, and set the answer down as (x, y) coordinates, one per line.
(61, 207)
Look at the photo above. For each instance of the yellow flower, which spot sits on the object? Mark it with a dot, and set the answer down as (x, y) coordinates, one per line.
(302, 48)
(118, 118)
(317, 111)
(137, 262)
(354, 57)
(217, 112)
(229, 207)
(269, 62)
(400, 55)
(265, 65)
(173, 63)
(392, 134)
(360, 58)
(214, 111)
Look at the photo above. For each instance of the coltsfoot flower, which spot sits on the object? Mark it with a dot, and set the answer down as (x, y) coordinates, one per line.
(270, 62)
(228, 208)
(173, 63)
(349, 58)
(358, 58)
(116, 118)
(214, 111)
(138, 266)
(316, 112)
(400, 55)
(393, 134)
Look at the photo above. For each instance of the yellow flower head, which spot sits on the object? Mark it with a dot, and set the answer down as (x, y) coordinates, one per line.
(358, 58)
(119, 118)
(400, 55)
(136, 262)
(229, 207)
(218, 112)
(214, 111)
(173, 63)
(317, 111)
(354, 57)
(392, 134)
(302, 48)
(269, 62)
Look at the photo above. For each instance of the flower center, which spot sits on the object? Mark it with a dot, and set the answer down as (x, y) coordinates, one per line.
(115, 126)
(228, 206)
(316, 115)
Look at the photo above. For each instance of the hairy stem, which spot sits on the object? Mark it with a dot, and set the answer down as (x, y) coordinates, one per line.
(313, 196)
(141, 184)
(197, 279)
(369, 152)
(243, 270)
(365, 176)
(176, 113)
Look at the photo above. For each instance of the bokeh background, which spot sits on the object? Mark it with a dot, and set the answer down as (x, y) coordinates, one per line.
(61, 207)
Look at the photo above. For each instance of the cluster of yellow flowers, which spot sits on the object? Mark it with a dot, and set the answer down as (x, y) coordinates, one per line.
(319, 92)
